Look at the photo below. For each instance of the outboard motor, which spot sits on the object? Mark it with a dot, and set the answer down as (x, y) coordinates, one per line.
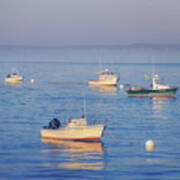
(53, 124)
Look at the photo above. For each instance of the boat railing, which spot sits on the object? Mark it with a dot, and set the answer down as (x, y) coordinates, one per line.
(77, 122)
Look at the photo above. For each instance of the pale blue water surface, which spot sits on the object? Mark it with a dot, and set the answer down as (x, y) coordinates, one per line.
(61, 76)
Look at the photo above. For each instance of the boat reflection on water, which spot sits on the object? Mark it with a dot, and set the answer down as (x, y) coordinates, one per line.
(75, 154)
(110, 89)
(158, 107)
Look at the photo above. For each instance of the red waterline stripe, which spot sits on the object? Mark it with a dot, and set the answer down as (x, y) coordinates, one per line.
(152, 95)
(161, 95)
(53, 138)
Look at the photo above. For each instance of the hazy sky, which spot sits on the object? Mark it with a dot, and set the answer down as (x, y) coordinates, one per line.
(89, 22)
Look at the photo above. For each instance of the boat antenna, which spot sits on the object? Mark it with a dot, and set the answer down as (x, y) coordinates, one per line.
(14, 70)
(85, 108)
(100, 63)
(153, 67)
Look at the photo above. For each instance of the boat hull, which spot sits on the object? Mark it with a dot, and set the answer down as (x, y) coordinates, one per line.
(152, 93)
(14, 80)
(78, 133)
(102, 83)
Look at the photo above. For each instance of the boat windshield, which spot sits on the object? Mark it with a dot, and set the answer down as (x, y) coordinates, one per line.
(159, 81)
(107, 73)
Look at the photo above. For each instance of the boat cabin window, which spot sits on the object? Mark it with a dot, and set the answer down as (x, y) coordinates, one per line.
(107, 73)
(159, 81)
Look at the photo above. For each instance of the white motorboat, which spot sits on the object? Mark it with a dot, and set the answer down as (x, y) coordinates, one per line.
(76, 129)
(13, 78)
(106, 78)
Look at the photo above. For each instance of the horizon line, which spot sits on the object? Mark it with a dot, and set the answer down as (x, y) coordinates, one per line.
(131, 45)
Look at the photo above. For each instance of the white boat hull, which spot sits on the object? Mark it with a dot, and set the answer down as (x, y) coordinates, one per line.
(14, 80)
(102, 83)
(93, 132)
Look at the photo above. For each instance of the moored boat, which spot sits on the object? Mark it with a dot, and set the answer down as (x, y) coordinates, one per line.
(13, 78)
(106, 78)
(76, 129)
(157, 90)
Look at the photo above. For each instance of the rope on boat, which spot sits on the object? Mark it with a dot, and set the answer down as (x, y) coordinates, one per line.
(115, 139)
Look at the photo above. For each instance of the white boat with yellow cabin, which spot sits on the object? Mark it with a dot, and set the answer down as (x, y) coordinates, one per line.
(76, 129)
(13, 78)
(106, 78)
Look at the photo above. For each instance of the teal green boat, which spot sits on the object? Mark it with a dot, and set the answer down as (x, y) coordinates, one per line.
(157, 90)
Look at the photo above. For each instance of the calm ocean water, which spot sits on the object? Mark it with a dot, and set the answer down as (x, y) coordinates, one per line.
(61, 76)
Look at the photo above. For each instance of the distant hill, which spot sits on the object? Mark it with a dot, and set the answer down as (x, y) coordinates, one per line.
(155, 46)
(127, 46)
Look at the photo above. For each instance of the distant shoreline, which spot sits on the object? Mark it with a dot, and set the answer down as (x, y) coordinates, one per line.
(128, 46)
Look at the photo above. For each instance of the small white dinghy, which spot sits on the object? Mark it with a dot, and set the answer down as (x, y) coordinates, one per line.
(13, 78)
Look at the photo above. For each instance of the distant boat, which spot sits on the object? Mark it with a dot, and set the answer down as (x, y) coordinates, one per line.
(106, 78)
(76, 129)
(13, 78)
(157, 90)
